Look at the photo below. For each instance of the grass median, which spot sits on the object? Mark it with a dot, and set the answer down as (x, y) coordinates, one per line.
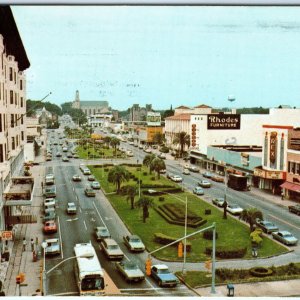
(232, 234)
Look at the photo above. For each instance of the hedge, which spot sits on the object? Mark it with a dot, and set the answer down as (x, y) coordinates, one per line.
(159, 193)
(260, 272)
(234, 253)
(165, 239)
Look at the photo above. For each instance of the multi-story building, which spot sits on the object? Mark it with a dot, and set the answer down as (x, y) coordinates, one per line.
(13, 63)
(99, 120)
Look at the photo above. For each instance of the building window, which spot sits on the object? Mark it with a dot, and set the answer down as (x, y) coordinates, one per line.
(11, 97)
(297, 168)
(13, 146)
(22, 135)
(1, 123)
(12, 121)
(21, 84)
(21, 101)
(10, 74)
(22, 120)
(1, 154)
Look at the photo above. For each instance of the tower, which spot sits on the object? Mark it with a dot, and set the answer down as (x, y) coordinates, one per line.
(76, 103)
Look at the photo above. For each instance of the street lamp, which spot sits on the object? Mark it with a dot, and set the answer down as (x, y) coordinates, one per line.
(44, 245)
(139, 179)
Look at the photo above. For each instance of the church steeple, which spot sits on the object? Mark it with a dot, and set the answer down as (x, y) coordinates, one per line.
(76, 103)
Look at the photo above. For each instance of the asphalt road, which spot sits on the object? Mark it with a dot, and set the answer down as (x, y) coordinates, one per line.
(92, 212)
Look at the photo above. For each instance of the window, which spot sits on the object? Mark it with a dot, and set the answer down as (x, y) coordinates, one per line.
(11, 97)
(22, 135)
(13, 146)
(21, 84)
(16, 100)
(10, 74)
(1, 154)
(12, 120)
(21, 101)
(0, 122)
(22, 120)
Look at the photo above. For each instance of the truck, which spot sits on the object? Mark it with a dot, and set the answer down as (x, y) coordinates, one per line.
(238, 182)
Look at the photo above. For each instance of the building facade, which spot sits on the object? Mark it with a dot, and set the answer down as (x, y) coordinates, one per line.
(13, 63)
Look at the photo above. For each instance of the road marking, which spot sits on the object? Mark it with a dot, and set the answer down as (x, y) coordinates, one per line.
(70, 220)
(80, 209)
(99, 214)
(148, 281)
(60, 238)
(126, 257)
(284, 221)
(84, 225)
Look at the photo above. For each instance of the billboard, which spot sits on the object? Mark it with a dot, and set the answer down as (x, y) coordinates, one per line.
(224, 121)
(153, 119)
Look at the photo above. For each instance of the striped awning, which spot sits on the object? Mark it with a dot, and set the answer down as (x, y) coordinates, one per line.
(291, 186)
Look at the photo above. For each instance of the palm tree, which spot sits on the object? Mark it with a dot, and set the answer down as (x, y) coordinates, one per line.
(250, 215)
(147, 161)
(182, 139)
(158, 138)
(107, 140)
(114, 142)
(117, 175)
(145, 203)
(131, 192)
(157, 165)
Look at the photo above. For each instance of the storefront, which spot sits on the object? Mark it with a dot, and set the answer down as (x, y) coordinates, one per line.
(291, 191)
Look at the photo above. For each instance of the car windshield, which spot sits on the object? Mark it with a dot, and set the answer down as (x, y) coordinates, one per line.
(130, 266)
(113, 247)
(135, 240)
(103, 231)
(163, 271)
(88, 284)
(287, 235)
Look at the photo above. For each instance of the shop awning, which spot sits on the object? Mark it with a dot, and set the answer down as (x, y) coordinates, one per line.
(291, 186)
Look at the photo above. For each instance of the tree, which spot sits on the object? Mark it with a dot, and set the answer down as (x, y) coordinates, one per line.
(107, 140)
(158, 138)
(249, 215)
(114, 142)
(117, 175)
(131, 191)
(147, 161)
(157, 165)
(145, 203)
(225, 209)
(182, 139)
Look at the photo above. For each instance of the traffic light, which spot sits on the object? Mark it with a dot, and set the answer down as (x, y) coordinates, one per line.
(180, 249)
(18, 279)
(148, 267)
(22, 276)
(208, 265)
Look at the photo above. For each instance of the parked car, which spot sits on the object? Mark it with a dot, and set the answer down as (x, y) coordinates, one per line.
(204, 183)
(295, 209)
(217, 178)
(218, 202)
(130, 271)
(71, 208)
(102, 233)
(58, 154)
(285, 237)
(194, 169)
(50, 215)
(163, 171)
(65, 159)
(176, 178)
(86, 171)
(163, 276)
(134, 243)
(95, 185)
(169, 175)
(129, 153)
(89, 192)
(162, 156)
(234, 209)
(186, 172)
(69, 155)
(111, 249)
(198, 190)
(65, 149)
(50, 227)
(75, 155)
(148, 150)
(53, 247)
(76, 178)
(91, 178)
(207, 175)
(49, 202)
(266, 226)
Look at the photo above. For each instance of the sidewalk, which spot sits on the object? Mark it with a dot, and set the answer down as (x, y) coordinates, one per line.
(22, 262)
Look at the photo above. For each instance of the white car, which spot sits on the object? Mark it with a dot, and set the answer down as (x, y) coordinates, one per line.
(148, 150)
(129, 153)
(234, 209)
(71, 208)
(186, 172)
(176, 178)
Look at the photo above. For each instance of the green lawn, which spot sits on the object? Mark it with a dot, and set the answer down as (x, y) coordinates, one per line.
(232, 233)
(83, 153)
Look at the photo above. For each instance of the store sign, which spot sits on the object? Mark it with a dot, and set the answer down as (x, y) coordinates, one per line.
(273, 146)
(259, 173)
(6, 235)
(245, 159)
(153, 119)
(269, 174)
(223, 121)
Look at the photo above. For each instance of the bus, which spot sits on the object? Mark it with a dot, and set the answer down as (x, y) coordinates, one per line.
(88, 271)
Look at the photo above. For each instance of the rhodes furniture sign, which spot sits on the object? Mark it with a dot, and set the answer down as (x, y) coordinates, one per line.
(223, 121)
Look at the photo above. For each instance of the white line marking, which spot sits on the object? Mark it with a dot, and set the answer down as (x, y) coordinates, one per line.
(148, 281)
(99, 215)
(84, 225)
(80, 209)
(126, 257)
(284, 221)
(60, 238)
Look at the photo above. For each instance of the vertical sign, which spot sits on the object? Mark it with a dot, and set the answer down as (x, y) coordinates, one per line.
(273, 146)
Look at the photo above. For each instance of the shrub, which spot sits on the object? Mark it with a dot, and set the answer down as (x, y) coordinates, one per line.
(145, 173)
(161, 199)
(153, 178)
(106, 169)
(260, 272)
(207, 212)
(208, 235)
(227, 253)
(231, 274)
(165, 239)
(256, 238)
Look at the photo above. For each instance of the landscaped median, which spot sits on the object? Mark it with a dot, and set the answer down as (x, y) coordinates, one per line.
(167, 214)
(197, 279)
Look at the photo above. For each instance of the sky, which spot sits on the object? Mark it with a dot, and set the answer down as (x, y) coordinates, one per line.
(163, 55)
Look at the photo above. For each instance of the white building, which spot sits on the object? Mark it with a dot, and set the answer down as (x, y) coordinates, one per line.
(13, 63)
(99, 120)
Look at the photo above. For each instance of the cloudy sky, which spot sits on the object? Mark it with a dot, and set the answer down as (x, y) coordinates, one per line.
(163, 55)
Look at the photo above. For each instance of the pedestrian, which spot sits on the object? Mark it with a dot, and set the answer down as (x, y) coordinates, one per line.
(24, 244)
(32, 245)
(282, 195)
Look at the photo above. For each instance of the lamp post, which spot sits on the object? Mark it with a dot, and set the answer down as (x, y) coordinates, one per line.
(185, 233)
(139, 180)
(44, 245)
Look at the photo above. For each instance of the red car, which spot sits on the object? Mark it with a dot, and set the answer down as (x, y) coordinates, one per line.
(50, 227)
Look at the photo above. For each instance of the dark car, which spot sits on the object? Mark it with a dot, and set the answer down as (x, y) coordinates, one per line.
(266, 226)
(295, 209)
(163, 276)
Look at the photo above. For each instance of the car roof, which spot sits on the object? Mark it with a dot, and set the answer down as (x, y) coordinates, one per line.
(51, 240)
(160, 266)
(100, 228)
(71, 203)
(284, 232)
(111, 242)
